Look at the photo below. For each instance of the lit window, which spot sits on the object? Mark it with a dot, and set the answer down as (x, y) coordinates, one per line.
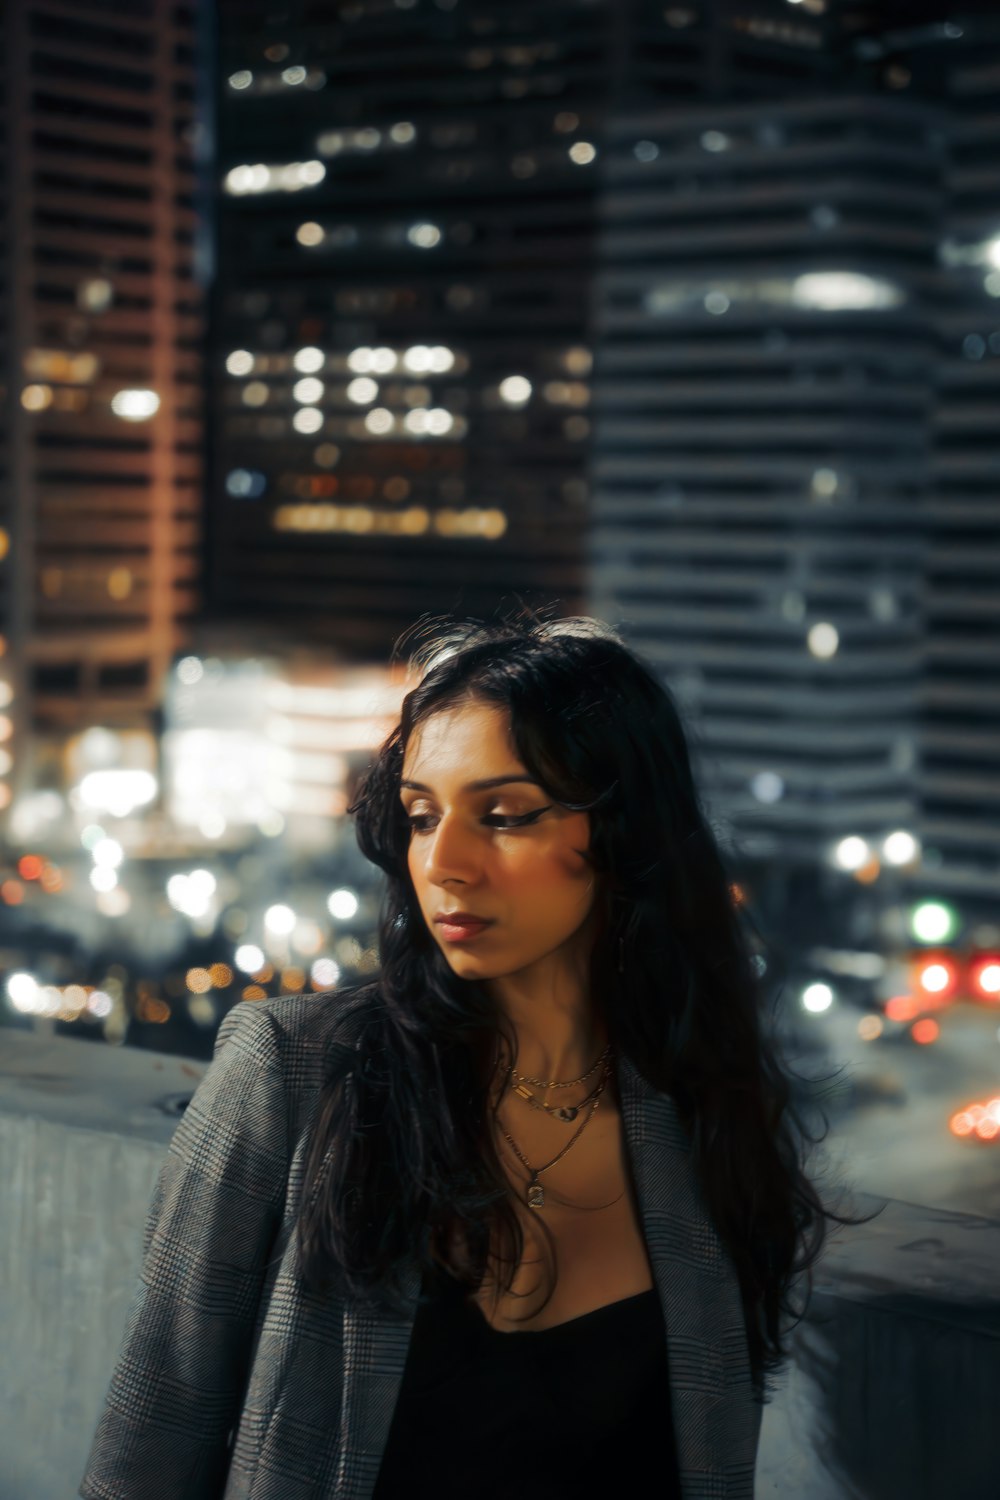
(307, 419)
(135, 406)
(36, 397)
(307, 361)
(424, 236)
(95, 296)
(515, 390)
(247, 484)
(310, 234)
(308, 390)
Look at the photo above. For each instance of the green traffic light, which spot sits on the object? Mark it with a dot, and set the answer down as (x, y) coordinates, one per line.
(933, 922)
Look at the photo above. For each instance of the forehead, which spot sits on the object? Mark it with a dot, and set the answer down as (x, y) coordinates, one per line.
(459, 737)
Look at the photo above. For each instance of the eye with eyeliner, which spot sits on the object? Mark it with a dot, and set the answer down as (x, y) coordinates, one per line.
(502, 821)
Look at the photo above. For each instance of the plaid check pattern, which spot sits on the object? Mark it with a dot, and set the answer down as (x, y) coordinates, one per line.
(233, 1382)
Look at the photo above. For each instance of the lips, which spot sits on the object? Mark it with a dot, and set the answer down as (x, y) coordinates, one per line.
(459, 926)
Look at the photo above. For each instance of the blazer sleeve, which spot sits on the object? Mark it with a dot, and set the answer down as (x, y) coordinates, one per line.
(215, 1214)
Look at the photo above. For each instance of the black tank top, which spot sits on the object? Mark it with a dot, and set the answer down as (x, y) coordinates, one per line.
(538, 1414)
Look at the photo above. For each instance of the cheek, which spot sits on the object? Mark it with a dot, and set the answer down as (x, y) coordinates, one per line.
(413, 865)
(574, 845)
(563, 870)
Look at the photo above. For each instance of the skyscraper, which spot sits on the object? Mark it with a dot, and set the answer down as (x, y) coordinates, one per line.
(795, 448)
(400, 362)
(960, 731)
(763, 374)
(102, 434)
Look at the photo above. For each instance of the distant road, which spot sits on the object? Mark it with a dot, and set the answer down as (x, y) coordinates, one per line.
(904, 1149)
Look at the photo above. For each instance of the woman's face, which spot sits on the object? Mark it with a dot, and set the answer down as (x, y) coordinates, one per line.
(487, 842)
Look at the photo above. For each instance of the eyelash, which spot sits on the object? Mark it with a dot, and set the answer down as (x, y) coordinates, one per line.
(497, 820)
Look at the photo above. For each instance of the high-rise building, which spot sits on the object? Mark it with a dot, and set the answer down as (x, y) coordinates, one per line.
(764, 364)
(101, 435)
(400, 362)
(960, 728)
(795, 449)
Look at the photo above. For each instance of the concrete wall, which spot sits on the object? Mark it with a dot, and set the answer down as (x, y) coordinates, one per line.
(894, 1390)
(82, 1136)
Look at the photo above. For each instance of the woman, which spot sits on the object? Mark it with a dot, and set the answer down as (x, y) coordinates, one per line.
(522, 1216)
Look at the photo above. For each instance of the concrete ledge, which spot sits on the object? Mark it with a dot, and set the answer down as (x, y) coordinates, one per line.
(83, 1130)
(894, 1389)
(91, 1086)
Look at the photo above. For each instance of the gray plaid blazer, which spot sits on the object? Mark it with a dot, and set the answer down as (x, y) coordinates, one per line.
(235, 1383)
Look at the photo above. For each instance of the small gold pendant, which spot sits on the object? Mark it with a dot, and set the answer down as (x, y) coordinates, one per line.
(536, 1195)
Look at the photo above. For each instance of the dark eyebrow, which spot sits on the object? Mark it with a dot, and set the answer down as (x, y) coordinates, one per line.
(475, 786)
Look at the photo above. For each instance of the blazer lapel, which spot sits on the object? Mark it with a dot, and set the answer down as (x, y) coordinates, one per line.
(715, 1423)
(376, 1341)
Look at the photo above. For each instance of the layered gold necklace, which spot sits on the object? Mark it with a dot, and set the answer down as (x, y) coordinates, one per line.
(535, 1194)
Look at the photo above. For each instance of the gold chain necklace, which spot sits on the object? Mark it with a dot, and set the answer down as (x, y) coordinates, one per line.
(551, 1083)
(535, 1193)
(564, 1112)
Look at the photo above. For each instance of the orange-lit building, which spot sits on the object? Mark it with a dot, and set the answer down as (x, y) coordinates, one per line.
(102, 326)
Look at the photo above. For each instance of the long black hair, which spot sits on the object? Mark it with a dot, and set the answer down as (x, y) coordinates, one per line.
(403, 1165)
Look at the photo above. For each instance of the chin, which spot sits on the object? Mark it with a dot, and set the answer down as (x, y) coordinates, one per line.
(468, 964)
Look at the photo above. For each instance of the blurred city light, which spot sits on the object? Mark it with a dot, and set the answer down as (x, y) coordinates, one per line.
(249, 958)
(342, 904)
(900, 848)
(280, 920)
(118, 792)
(308, 390)
(135, 406)
(324, 973)
(933, 922)
(108, 852)
(978, 1121)
(817, 998)
(240, 362)
(985, 977)
(192, 893)
(823, 640)
(842, 291)
(936, 976)
(515, 390)
(308, 360)
(851, 853)
(22, 989)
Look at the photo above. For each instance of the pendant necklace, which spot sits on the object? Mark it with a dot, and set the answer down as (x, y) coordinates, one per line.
(535, 1194)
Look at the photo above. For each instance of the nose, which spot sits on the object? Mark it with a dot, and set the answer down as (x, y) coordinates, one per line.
(452, 854)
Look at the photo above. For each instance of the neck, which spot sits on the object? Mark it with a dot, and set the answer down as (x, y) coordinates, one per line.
(560, 1033)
